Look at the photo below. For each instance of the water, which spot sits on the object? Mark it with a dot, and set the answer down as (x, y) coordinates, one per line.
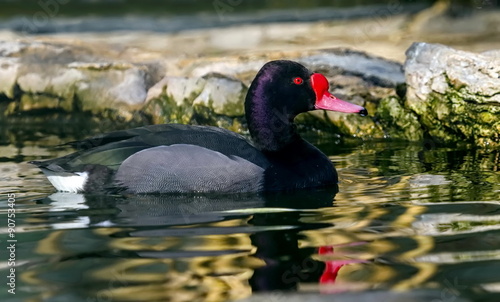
(406, 217)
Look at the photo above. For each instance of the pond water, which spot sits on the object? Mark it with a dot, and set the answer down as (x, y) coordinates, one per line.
(406, 217)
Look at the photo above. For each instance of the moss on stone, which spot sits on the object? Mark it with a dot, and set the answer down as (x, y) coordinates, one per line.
(468, 117)
(166, 110)
(397, 121)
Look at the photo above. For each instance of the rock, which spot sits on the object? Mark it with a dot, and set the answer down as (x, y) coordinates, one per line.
(213, 99)
(71, 78)
(9, 68)
(377, 70)
(456, 94)
(44, 75)
(399, 122)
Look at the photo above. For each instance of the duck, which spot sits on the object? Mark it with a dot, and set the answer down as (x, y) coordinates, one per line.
(177, 158)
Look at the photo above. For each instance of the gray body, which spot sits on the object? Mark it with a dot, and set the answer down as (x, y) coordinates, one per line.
(188, 168)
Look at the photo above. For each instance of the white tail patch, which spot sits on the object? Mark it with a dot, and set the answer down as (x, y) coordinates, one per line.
(73, 183)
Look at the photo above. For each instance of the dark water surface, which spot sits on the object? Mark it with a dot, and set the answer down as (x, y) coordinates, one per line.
(62, 16)
(407, 217)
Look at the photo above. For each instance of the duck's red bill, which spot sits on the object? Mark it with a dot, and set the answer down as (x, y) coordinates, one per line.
(325, 100)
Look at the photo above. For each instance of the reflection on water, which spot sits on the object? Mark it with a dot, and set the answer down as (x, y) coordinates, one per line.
(407, 216)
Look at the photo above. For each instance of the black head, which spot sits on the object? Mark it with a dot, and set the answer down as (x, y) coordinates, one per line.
(280, 91)
(287, 88)
(281, 86)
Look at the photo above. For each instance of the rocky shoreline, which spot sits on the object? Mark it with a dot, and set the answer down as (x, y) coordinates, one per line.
(439, 93)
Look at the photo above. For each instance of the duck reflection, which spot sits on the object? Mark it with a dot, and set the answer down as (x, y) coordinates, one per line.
(286, 264)
(254, 239)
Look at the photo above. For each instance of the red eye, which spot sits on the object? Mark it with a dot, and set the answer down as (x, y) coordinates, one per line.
(298, 81)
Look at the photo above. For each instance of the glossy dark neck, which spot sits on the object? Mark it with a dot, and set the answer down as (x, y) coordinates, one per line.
(271, 130)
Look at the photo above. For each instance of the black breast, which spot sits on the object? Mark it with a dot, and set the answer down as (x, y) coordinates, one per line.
(297, 166)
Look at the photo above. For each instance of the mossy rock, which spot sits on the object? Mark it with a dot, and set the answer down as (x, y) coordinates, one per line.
(398, 121)
(455, 94)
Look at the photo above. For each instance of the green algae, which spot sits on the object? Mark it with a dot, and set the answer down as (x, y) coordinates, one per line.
(397, 121)
(454, 117)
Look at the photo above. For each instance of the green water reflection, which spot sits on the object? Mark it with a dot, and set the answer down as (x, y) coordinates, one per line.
(407, 216)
